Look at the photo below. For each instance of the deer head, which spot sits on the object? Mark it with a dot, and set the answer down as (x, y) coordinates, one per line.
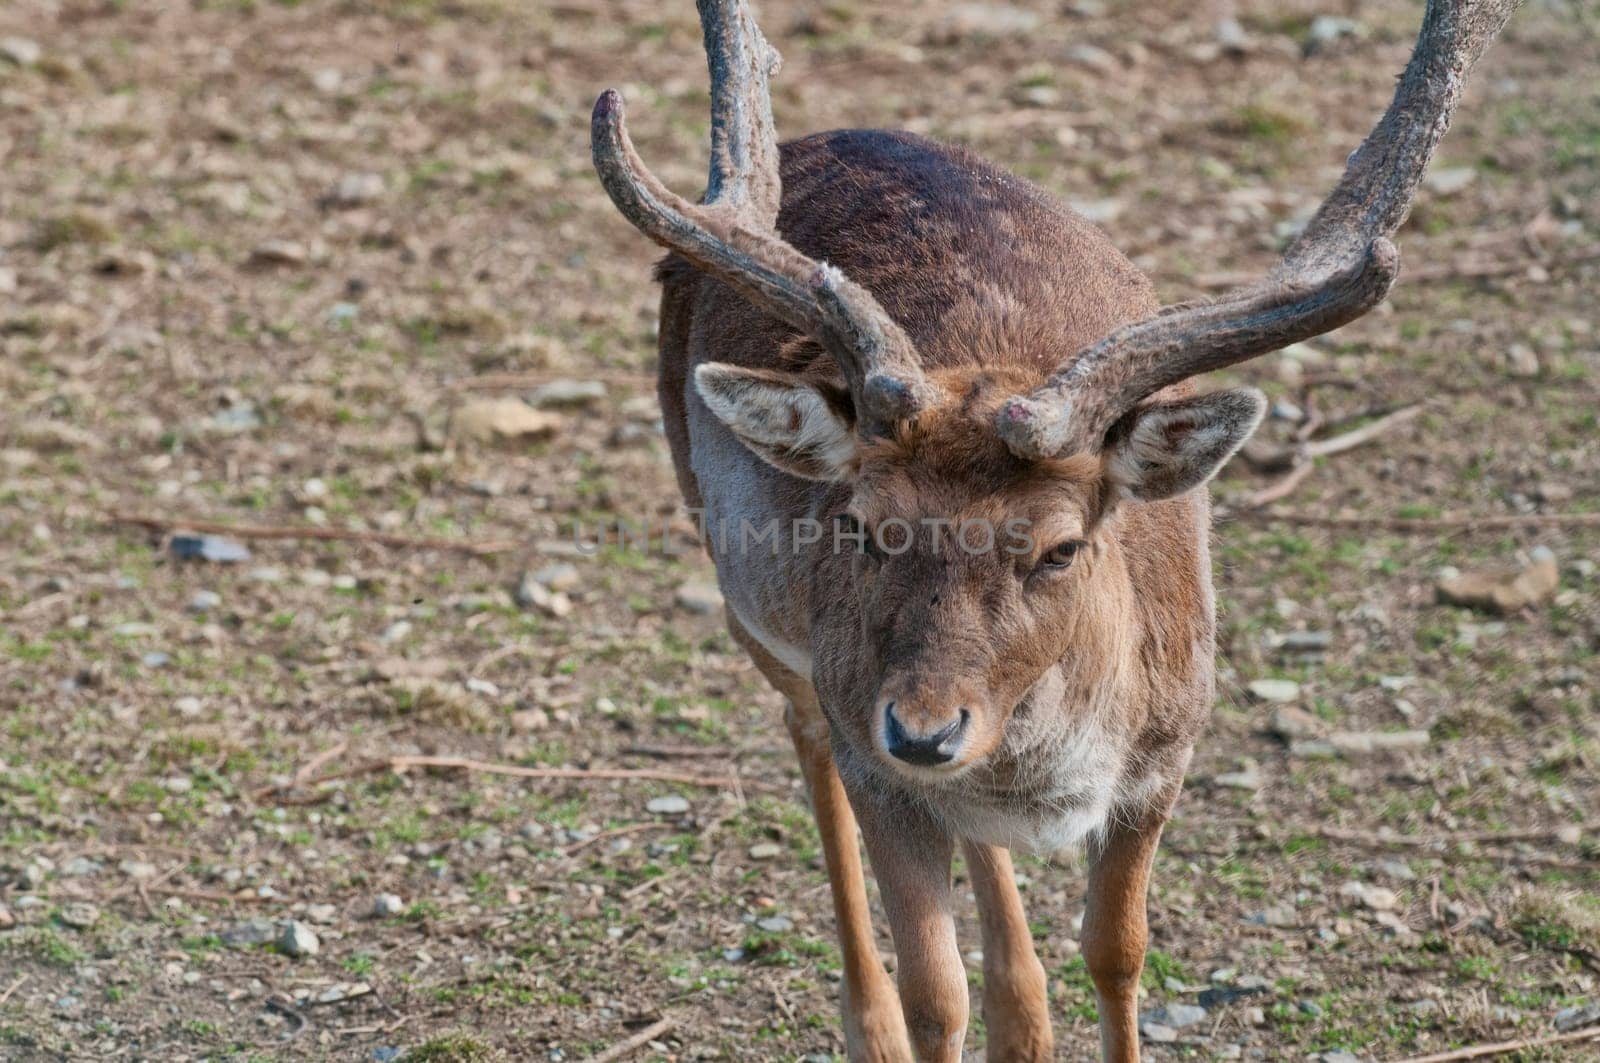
(954, 637)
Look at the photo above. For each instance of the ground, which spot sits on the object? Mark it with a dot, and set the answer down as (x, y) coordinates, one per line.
(259, 262)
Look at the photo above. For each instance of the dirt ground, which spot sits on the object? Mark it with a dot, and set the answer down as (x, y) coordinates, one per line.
(262, 262)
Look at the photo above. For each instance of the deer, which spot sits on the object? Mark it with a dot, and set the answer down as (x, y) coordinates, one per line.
(896, 345)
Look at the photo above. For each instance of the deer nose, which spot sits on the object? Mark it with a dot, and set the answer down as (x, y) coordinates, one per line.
(922, 747)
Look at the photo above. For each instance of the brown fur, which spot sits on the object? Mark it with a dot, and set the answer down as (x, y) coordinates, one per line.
(995, 284)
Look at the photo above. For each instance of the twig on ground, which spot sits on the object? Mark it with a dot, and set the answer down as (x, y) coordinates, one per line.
(621, 1049)
(1502, 1047)
(513, 381)
(684, 752)
(1301, 458)
(1282, 487)
(615, 832)
(1467, 269)
(307, 771)
(12, 988)
(1325, 448)
(351, 535)
(650, 883)
(402, 764)
(1461, 522)
(194, 893)
(1531, 834)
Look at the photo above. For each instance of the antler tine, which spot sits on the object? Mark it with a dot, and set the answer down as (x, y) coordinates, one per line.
(744, 138)
(1340, 267)
(732, 236)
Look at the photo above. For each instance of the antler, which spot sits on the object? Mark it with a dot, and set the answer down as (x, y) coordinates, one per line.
(1341, 266)
(732, 233)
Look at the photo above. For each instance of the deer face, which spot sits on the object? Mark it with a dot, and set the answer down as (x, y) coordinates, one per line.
(974, 570)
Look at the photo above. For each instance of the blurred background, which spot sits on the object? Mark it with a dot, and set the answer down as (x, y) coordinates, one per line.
(319, 341)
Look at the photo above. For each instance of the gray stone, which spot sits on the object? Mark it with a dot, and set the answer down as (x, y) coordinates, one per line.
(1325, 29)
(235, 419)
(567, 393)
(532, 594)
(1248, 777)
(1521, 361)
(204, 601)
(670, 805)
(765, 851)
(80, 915)
(1232, 38)
(1290, 722)
(1577, 1017)
(20, 50)
(561, 576)
(776, 924)
(1177, 1016)
(1088, 56)
(1157, 1033)
(214, 548)
(1274, 691)
(987, 20)
(355, 189)
(387, 905)
(1281, 916)
(702, 599)
(1377, 898)
(1356, 744)
(250, 933)
(298, 939)
(1447, 181)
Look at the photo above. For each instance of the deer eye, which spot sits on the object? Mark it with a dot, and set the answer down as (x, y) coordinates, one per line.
(1059, 556)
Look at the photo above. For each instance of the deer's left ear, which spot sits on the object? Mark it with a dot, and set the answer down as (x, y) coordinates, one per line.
(1162, 450)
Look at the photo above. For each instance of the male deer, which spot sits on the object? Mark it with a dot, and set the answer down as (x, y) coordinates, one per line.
(872, 328)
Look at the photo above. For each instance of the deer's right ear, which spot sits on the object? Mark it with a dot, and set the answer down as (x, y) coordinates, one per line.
(804, 428)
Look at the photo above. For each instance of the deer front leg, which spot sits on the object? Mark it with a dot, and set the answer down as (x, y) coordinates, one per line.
(1115, 932)
(874, 1029)
(1015, 1010)
(911, 859)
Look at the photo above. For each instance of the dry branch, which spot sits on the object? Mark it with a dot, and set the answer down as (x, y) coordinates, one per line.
(622, 1048)
(517, 381)
(1300, 459)
(1467, 269)
(273, 531)
(402, 764)
(1501, 1048)
(1406, 841)
(1461, 522)
(12, 988)
(1280, 488)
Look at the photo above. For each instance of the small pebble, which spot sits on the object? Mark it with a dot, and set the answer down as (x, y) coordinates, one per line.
(298, 939)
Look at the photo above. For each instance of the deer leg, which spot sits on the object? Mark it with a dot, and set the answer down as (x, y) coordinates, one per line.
(874, 1030)
(911, 859)
(1015, 1010)
(1115, 932)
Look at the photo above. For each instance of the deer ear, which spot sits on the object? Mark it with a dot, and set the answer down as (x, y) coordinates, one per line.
(804, 428)
(1162, 450)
